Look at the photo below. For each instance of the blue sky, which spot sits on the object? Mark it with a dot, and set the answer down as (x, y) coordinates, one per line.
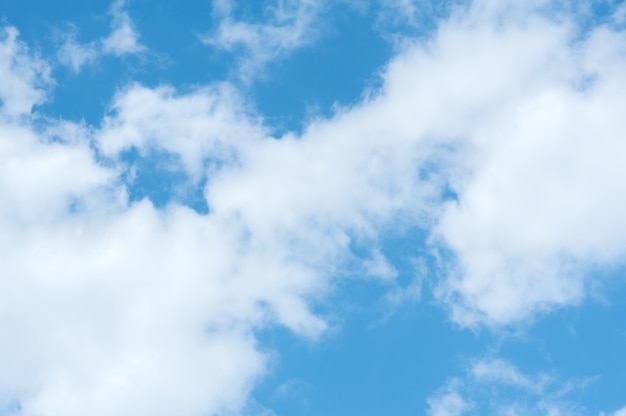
(305, 207)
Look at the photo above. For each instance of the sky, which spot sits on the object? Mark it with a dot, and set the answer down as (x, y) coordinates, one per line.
(312, 208)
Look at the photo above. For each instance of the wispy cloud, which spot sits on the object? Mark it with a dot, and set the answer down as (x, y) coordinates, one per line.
(122, 40)
(288, 25)
(496, 386)
(76, 55)
(24, 76)
(448, 402)
(119, 308)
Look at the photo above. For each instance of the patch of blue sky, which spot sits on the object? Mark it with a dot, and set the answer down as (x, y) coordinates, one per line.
(584, 344)
(158, 177)
(368, 366)
(336, 71)
(385, 354)
(385, 358)
(342, 63)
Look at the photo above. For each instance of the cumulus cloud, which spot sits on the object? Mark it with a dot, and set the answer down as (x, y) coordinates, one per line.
(532, 110)
(288, 25)
(108, 304)
(501, 136)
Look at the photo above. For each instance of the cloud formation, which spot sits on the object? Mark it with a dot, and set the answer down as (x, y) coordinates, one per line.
(24, 76)
(290, 24)
(483, 391)
(122, 40)
(540, 209)
(500, 136)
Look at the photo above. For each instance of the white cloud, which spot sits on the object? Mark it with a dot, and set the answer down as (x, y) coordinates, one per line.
(22, 76)
(76, 55)
(290, 24)
(123, 38)
(378, 266)
(107, 304)
(621, 412)
(502, 372)
(496, 386)
(531, 113)
(499, 87)
(132, 303)
(211, 122)
(448, 402)
(542, 205)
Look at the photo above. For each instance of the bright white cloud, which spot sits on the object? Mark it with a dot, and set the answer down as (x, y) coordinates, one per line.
(290, 24)
(132, 303)
(210, 123)
(534, 113)
(505, 107)
(106, 305)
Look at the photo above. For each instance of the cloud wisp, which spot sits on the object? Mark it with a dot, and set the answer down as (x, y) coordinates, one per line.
(496, 386)
(122, 40)
(290, 25)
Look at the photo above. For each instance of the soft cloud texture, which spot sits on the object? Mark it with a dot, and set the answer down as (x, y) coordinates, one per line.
(24, 76)
(134, 303)
(500, 136)
(448, 402)
(290, 24)
(534, 111)
(107, 305)
(482, 391)
(621, 412)
(122, 40)
(76, 55)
